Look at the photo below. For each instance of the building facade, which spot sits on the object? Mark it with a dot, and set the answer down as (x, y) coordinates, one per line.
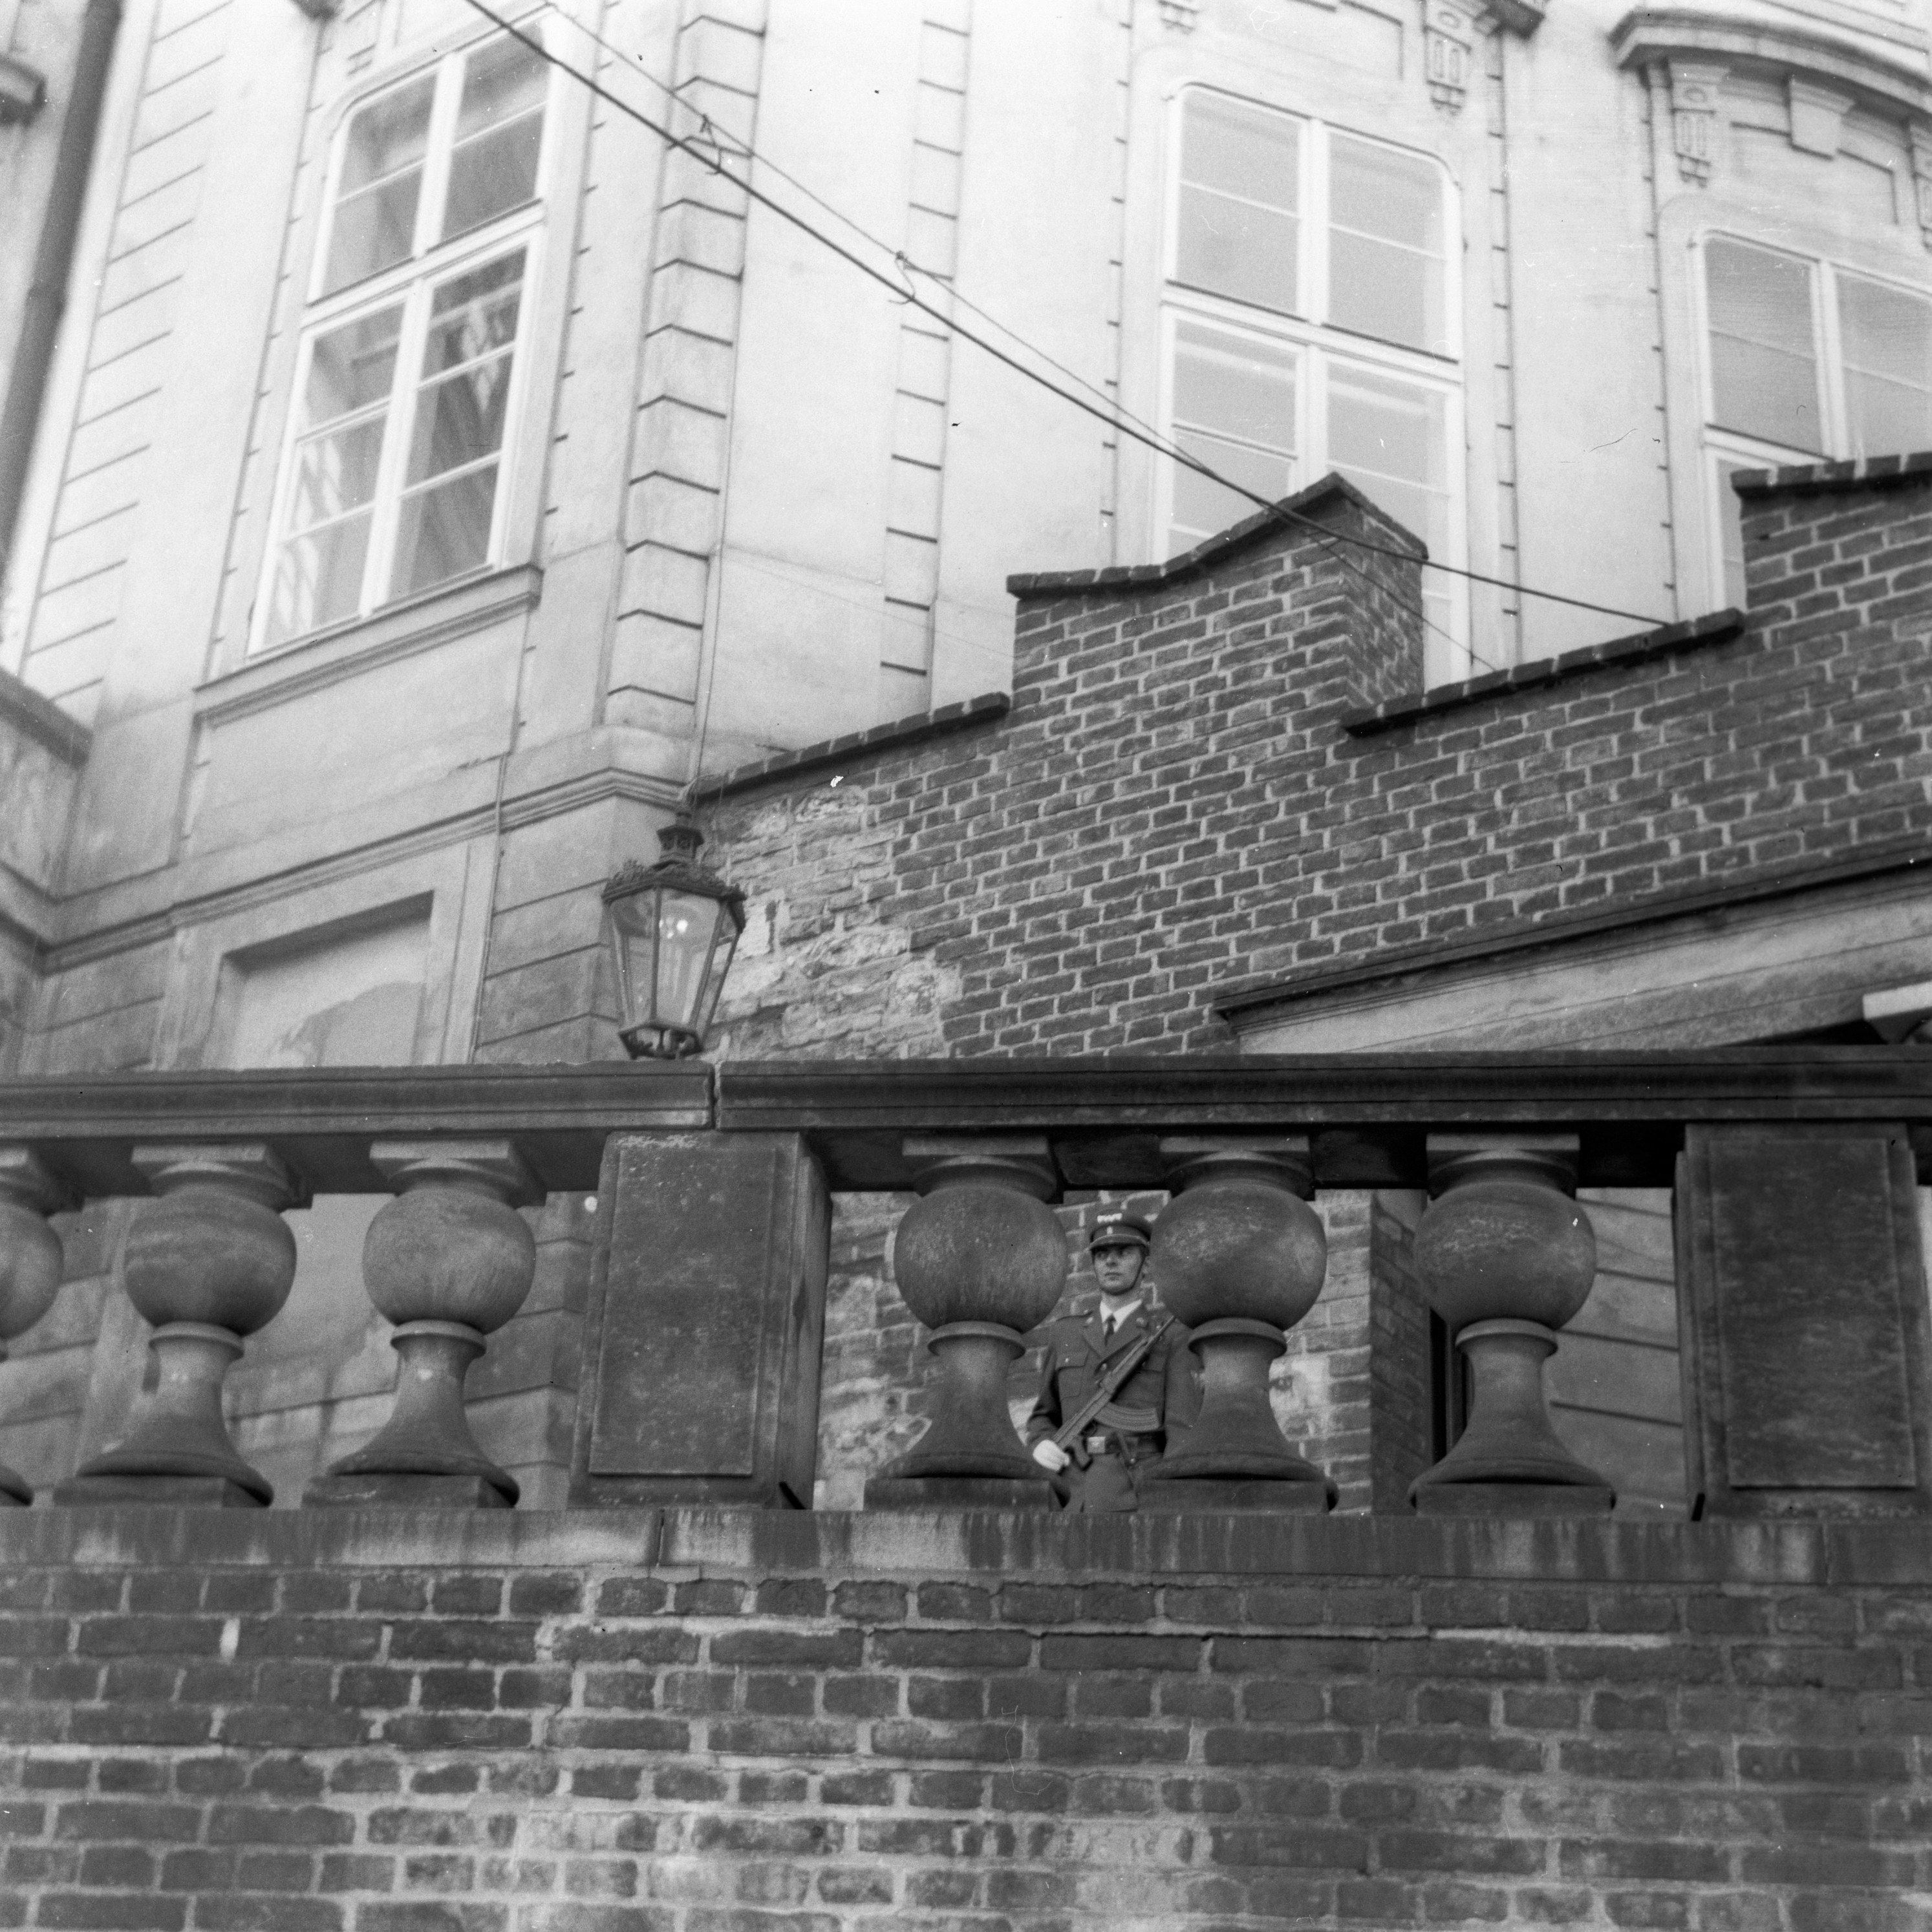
(437, 471)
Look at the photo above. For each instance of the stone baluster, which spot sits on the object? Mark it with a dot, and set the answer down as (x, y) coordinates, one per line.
(1507, 1257)
(980, 1259)
(209, 1263)
(1239, 1256)
(30, 1266)
(449, 1261)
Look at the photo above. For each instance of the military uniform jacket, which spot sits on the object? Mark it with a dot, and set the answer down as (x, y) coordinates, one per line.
(1077, 1359)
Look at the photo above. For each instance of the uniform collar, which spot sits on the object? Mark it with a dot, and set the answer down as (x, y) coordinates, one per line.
(1122, 1314)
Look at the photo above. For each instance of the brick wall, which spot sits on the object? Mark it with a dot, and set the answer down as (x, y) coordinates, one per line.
(1176, 804)
(751, 1723)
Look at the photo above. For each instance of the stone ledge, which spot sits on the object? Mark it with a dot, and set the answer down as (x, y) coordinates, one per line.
(1394, 964)
(42, 720)
(914, 730)
(1719, 627)
(1815, 479)
(915, 1544)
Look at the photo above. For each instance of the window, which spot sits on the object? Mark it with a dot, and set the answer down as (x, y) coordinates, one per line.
(392, 483)
(1310, 324)
(1805, 359)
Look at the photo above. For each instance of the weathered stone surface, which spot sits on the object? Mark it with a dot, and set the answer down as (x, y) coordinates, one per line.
(702, 1334)
(1806, 1321)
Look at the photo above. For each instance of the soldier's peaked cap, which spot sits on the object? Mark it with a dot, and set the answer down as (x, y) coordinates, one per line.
(1115, 1227)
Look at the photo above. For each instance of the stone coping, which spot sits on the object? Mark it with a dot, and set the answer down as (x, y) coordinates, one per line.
(1895, 1551)
(1719, 627)
(916, 729)
(1812, 479)
(1334, 489)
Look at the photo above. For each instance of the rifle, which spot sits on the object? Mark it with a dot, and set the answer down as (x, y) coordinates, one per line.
(1068, 1435)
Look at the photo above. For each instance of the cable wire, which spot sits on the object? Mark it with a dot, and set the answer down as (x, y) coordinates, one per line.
(707, 130)
(1110, 415)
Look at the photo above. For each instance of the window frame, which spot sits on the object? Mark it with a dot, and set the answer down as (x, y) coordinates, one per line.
(1316, 343)
(411, 283)
(1720, 448)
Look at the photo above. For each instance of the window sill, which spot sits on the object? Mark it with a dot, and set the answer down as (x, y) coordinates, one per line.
(345, 650)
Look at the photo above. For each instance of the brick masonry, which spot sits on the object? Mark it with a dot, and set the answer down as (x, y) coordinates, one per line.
(1175, 804)
(737, 1723)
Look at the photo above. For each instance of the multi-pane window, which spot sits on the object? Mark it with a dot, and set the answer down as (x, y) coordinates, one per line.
(1805, 359)
(394, 479)
(1310, 324)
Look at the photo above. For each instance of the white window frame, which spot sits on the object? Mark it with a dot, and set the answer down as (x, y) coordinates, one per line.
(413, 282)
(1721, 447)
(1318, 343)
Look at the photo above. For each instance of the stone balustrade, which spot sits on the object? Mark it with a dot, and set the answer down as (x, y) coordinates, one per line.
(1807, 1380)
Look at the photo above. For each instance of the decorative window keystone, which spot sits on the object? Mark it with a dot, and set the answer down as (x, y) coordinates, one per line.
(1448, 42)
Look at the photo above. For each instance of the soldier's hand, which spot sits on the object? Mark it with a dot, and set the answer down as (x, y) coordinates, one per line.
(1048, 1454)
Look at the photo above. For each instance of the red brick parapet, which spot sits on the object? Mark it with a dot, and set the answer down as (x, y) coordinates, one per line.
(733, 1721)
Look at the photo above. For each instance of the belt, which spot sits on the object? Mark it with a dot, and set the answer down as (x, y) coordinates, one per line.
(1130, 1448)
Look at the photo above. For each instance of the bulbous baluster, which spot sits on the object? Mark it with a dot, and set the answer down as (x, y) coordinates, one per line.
(209, 1263)
(449, 1261)
(980, 1259)
(1239, 1256)
(1507, 1257)
(30, 1266)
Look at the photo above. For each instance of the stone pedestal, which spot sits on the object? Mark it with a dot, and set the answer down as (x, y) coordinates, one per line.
(1506, 1257)
(30, 1266)
(1801, 1304)
(704, 1324)
(209, 1263)
(980, 1259)
(1240, 1257)
(449, 1261)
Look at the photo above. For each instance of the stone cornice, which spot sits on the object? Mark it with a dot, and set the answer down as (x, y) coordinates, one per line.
(1653, 33)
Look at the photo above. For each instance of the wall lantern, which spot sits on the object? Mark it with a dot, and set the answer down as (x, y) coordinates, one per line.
(673, 928)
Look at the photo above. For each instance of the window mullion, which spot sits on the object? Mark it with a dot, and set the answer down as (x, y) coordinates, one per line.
(513, 400)
(1311, 380)
(394, 458)
(1313, 239)
(1830, 341)
(441, 137)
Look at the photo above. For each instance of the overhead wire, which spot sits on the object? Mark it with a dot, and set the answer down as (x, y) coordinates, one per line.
(1110, 413)
(708, 131)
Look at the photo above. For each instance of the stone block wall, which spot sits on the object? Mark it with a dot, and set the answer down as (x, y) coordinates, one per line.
(736, 1722)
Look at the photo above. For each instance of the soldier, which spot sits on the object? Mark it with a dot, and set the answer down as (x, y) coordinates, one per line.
(1157, 1401)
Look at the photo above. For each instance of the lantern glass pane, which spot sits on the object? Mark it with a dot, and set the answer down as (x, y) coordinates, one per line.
(722, 949)
(686, 924)
(634, 926)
